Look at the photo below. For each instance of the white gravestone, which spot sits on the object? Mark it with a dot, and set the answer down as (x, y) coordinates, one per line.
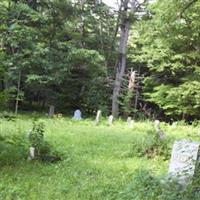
(130, 122)
(98, 117)
(184, 161)
(110, 120)
(174, 124)
(77, 115)
(31, 153)
(51, 110)
(160, 133)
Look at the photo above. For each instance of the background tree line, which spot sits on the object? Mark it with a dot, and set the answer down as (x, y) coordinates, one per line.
(67, 53)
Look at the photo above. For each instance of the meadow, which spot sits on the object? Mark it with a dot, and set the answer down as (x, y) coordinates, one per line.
(98, 162)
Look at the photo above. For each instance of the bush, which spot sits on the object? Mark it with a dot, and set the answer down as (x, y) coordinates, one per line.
(7, 116)
(42, 148)
(151, 146)
(146, 186)
(36, 138)
(12, 149)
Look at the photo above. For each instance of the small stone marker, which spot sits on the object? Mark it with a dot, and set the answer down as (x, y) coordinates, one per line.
(160, 133)
(98, 117)
(31, 153)
(51, 110)
(174, 124)
(77, 115)
(110, 120)
(130, 122)
(184, 161)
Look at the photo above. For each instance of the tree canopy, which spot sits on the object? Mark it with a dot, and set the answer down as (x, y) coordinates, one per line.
(67, 53)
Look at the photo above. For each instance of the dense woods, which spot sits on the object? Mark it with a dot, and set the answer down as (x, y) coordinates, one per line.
(72, 54)
(134, 64)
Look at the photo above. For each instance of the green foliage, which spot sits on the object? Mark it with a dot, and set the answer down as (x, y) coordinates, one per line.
(60, 48)
(94, 162)
(36, 138)
(7, 116)
(145, 185)
(13, 149)
(151, 146)
(166, 46)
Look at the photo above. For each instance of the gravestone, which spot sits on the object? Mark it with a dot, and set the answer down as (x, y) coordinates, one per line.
(184, 161)
(159, 132)
(174, 124)
(31, 153)
(110, 120)
(51, 110)
(77, 115)
(157, 125)
(130, 122)
(98, 117)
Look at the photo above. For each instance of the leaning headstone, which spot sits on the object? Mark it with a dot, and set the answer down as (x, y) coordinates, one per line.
(110, 120)
(31, 153)
(51, 110)
(98, 117)
(77, 115)
(184, 161)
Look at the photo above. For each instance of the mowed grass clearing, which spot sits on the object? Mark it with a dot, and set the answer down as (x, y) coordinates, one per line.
(97, 161)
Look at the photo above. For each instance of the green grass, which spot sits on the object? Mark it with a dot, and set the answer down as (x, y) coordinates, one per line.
(98, 161)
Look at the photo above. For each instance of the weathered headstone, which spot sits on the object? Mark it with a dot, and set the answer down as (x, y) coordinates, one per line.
(130, 122)
(31, 153)
(160, 133)
(184, 161)
(110, 120)
(157, 124)
(174, 124)
(77, 115)
(98, 117)
(51, 110)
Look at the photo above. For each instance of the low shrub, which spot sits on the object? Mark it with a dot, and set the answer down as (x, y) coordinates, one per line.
(43, 150)
(13, 148)
(146, 186)
(7, 116)
(151, 146)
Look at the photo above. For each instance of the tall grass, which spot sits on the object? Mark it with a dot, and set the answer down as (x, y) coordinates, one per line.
(98, 162)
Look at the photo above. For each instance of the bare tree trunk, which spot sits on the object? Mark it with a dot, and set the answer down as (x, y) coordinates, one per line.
(121, 65)
(82, 28)
(18, 93)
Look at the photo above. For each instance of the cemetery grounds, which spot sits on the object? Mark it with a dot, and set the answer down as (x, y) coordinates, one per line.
(98, 162)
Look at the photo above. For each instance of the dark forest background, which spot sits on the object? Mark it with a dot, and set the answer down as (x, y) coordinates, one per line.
(66, 53)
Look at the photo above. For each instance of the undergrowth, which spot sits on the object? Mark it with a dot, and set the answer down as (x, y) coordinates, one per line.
(98, 162)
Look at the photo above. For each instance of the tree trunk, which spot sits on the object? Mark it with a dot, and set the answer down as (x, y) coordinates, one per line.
(121, 64)
(18, 93)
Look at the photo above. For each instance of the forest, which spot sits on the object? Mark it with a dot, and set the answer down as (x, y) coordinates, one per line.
(80, 54)
(132, 64)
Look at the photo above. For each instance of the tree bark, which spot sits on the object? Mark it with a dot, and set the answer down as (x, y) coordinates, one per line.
(121, 64)
(18, 93)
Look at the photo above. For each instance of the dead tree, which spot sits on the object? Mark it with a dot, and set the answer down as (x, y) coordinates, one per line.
(121, 63)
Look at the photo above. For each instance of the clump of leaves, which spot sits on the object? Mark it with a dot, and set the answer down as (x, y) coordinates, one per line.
(151, 146)
(143, 186)
(12, 149)
(7, 116)
(36, 138)
(42, 147)
(146, 186)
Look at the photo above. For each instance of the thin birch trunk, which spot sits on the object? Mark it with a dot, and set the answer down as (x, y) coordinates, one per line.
(18, 92)
(121, 65)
